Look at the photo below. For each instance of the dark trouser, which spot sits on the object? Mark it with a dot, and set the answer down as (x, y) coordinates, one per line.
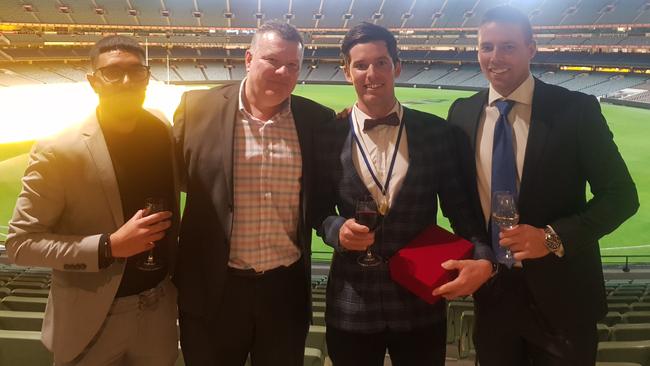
(420, 347)
(511, 331)
(266, 316)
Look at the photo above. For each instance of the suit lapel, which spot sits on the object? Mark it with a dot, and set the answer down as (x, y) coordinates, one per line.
(96, 144)
(224, 123)
(350, 175)
(415, 148)
(539, 130)
(471, 124)
(303, 130)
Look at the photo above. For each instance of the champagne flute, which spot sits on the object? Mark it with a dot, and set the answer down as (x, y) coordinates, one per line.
(152, 205)
(504, 213)
(367, 214)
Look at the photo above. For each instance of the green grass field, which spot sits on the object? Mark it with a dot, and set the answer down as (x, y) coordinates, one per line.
(631, 126)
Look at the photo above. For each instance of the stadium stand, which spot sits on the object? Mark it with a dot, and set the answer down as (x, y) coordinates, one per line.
(46, 42)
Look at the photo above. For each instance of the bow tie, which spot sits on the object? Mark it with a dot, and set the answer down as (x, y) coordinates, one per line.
(390, 120)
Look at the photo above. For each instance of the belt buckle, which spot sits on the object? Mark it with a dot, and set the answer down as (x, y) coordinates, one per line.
(148, 299)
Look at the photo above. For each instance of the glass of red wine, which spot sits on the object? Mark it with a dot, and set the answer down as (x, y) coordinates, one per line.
(366, 214)
(152, 205)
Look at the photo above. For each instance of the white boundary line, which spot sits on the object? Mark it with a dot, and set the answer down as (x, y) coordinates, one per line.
(632, 247)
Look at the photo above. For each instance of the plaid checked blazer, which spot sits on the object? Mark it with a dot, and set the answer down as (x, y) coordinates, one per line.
(366, 300)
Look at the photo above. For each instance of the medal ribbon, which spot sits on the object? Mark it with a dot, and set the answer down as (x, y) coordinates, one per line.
(383, 188)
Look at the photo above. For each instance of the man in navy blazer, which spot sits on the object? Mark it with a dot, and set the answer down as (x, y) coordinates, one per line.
(543, 306)
(405, 160)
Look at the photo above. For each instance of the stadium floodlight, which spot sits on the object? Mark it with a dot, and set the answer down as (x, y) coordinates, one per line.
(132, 12)
(228, 15)
(165, 13)
(197, 14)
(100, 11)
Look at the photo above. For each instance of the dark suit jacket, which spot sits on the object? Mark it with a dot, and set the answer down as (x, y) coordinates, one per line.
(366, 299)
(569, 145)
(203, 131)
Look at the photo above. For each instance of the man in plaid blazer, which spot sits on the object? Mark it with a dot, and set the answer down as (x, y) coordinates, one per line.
(405, 160)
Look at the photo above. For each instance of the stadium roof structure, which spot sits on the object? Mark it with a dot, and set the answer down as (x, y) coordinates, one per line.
(320, 14)
(610, 34)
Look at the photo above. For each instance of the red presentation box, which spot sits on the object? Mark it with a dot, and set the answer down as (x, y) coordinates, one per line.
(417, 266)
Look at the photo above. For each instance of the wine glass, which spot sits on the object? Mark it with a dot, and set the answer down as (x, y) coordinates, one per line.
(504, 213)
(367, 214)
(152, 205)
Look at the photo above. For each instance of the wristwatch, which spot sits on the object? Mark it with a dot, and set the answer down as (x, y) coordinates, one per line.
(553, 241)
(495, 269)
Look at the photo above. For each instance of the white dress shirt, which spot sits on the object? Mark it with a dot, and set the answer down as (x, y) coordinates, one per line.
(519, 119)
(379, 146)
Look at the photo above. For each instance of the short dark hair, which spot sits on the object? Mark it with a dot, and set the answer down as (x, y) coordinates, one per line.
(509, 15)
(115, 42)
(367, 32)
(286, 31)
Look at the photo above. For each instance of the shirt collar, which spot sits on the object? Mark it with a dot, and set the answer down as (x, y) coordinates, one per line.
(286, 105)
(361, 117)
(523, 94)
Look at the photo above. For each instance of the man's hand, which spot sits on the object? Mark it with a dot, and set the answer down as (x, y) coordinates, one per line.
(138, 234)
(525, 242)
(471, 275)
(353, 236)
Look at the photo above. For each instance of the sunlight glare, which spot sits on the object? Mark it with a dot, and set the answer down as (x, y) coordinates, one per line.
(29, 112)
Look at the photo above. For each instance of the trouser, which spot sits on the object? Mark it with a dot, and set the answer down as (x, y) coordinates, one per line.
(511, 331)
(265, 315)
(139, 330)
(419, 347)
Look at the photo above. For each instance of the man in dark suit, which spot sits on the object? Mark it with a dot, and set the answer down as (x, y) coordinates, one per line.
(544, 143)
(404, 160)
(244, 262)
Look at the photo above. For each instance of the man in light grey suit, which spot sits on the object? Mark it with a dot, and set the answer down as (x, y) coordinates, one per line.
(81, 213)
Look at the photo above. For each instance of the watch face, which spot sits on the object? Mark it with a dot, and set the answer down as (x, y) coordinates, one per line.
(552, 241)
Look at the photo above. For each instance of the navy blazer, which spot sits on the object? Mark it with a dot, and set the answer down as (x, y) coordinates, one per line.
(366, 300)
(569, 145)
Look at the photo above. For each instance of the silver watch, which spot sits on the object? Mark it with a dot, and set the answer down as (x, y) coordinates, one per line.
(552, 240)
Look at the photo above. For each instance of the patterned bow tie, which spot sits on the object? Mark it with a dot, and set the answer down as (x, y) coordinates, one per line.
(390, 120)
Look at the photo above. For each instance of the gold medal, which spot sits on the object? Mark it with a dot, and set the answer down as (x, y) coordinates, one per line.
(383, 206)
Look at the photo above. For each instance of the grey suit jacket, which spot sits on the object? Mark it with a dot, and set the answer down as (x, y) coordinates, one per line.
(69, 198)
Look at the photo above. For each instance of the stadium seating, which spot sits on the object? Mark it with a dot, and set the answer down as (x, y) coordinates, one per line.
(636, 317)
(636, 352)
(455, 311)
(23, 348)
(21, 303)
(21, 320)
(630, 332)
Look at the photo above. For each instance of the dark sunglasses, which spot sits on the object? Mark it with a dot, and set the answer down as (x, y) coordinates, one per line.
(115, 74)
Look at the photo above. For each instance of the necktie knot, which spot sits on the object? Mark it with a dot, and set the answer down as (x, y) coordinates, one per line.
(389, 120)
(504, 106)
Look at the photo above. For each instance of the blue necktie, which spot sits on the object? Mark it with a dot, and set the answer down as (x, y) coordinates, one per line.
(504, 169)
